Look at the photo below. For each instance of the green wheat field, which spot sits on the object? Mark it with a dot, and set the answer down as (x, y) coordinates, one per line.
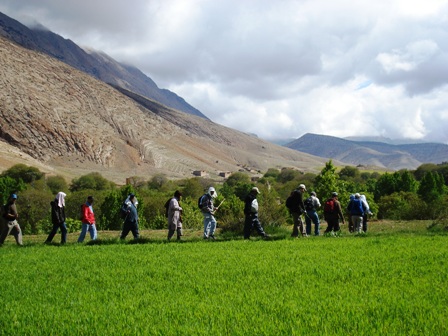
(392, 281)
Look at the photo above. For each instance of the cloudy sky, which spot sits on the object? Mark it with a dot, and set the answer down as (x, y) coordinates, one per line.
(280, 68)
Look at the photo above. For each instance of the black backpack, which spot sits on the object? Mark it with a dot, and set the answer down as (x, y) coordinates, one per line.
(167, 206)
(292, 200)
(200, 201)
(309, 204)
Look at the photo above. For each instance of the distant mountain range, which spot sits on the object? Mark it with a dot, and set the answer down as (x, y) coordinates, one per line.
(97, 64)
(369, 153)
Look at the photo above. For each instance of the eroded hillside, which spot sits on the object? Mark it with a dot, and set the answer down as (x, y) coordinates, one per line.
(74, 123)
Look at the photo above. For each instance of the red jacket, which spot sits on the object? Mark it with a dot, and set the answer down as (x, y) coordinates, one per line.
(88, 217)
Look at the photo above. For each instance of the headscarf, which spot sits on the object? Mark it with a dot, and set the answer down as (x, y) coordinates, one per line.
(60, 199)
(215, 194)
(128, 201)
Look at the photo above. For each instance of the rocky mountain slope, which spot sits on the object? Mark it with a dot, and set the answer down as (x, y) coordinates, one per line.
(72, 124)
(94, 63)
(369, 153)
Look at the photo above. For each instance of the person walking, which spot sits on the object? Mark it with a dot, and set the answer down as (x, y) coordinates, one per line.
(367, 212)
(131, 220)
(333, 213)
(175, 216)
(296, 209)
(311, 205)
(357, 208)
(58, 218)
(351, 226)
(9, 219)
(88, 220)
(208, 211)
(251, 215)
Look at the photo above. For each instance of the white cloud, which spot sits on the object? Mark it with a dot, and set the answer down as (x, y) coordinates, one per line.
(278, 68)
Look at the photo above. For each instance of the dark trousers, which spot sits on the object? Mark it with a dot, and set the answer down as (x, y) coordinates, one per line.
(251, 221)
(171, 233)
(130, 226)
(333, 225)
(364, 223)
(55, 229)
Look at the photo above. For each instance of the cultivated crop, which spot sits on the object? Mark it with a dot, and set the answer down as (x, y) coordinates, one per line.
(352, 285)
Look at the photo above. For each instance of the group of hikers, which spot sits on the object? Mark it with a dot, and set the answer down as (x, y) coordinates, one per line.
(358, 210)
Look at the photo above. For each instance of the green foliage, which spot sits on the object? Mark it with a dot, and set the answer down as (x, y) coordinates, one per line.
(56, 184)
(397, 286)
(26, 173)
(326, 182)
(192, 188)
(92, 181)
(402, 205)
(33, 205)
(287, 175)
(349, 172)
(431, 187)
(8, 186)
(272, 172)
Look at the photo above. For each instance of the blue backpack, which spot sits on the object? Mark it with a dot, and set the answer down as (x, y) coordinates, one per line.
(355, 207)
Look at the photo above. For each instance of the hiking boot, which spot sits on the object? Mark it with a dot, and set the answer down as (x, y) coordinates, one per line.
(212, 237)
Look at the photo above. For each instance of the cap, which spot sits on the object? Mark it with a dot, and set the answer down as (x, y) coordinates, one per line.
(302, 186)
(13, 196)
(256, 190)
(357, 195)
(313, 193)
(333, 194)
(131, 195)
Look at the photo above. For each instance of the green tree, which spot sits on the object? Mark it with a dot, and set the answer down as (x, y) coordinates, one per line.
(56, 184)
(407, 182)
(33, 205)
(93, 181)
(26, 173)
(431, 187)
(327, 181)
(349, 172)
(8, 186)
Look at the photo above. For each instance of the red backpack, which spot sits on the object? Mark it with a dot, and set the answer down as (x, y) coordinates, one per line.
(330, 206)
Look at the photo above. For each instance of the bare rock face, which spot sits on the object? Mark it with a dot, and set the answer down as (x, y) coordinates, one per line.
(66, 119)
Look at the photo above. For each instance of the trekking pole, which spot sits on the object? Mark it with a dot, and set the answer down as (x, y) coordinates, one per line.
(220, 204)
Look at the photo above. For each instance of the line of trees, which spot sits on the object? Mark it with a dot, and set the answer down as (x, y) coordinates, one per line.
(401, 195)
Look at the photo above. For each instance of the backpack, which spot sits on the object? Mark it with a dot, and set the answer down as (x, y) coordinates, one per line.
(4, 211)
(290, 202)
(167, 206)
(81, 212)
(309, 204)
(330, 206)
(200, 201)
(123, 211)
(355, 207)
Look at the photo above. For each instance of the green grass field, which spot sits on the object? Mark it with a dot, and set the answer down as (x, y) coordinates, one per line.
(393, 281)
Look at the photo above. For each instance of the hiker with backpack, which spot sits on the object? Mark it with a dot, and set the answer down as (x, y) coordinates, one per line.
(333, 213)
(88, 220)
(205, 204)
(58, 218)
(312, 203)
(367, 212)
(357, 208)
(296, 208)
(129, 209)
(9, 219)
(251, 215)
(174, 215)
